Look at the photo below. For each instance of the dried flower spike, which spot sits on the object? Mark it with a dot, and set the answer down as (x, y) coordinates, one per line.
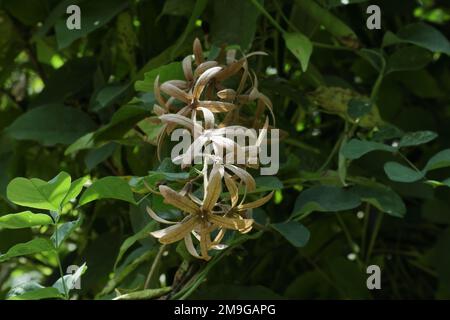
(205, 94)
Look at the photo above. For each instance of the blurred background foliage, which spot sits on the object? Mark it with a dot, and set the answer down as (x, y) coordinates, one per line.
(68, 102)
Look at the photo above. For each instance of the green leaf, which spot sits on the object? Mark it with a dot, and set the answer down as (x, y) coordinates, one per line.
(446, 182)
(358, 108)
(31, 290)
(171, 71)
(233, 22)
(166, 171)
(294, 232)
(324, 17)
(108, 188)
(197, 10)
(50, 125)
(325, 199)
(408, 58)
(300, 46)
(374, 57)
(37, 193)
(31, 247)
(68, 81)
(24, 219)
(178, 7)
(43, 293)
(75, 189)
(439, 160)
(267, 183)
(107, 95)
(398, 172)
(419, 34)
(122, 121)
(355, 149)
(383, 198)
(94, 14)
(146, 294)
(64, 230)
(70, 280)
(417, 138)
(51, 17)
(84, 142)
(143, 233)
(96, 156)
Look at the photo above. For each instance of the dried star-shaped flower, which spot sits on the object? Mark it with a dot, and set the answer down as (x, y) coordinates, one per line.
(203, 217)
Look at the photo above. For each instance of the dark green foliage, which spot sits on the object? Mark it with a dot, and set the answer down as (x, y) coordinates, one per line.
(364, 156)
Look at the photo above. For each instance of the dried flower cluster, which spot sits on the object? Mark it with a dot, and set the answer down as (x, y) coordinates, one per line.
(205, 94)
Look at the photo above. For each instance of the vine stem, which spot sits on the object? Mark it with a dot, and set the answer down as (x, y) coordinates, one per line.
(268, 16)
(364, 231)
(409, 162)
(349, 237)
(332, 153)
(66, 292)
(374, 235)
(154, 265)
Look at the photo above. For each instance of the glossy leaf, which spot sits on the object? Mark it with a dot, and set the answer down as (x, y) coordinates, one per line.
(294, 232)
(51, 124)
(94, 15)
(64, 230)
(70, 280)
(75, 189)
(300, 46)
(171, 71)
(108, 188)
(24, 219)
(143, 233)
(31, 247)
(40, 194)
(439, 160)
(417, 138)
(383, 198)
(398, 172)
(325, 199)
(408, 58)
(355, 149)
(420, 34)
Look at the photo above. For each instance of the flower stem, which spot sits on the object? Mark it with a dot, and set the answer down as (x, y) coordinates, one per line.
(154, 265)
(61, 273)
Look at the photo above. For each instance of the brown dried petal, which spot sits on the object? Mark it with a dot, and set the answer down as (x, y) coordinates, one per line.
(208, 116)
(187, 68)
(205, 243)
(158, 95)
(217, 106)
(181, 120)
(204, 79)
(174, 198)
(175, 92)
(158, 110)
(243, 175)
(180, 84)
(203, 67)
(190, 246)
(176, 232)
(231, 223)
(232, 189)
(227, 94)
(255, 204)
(213, 189)
(157, 218)
(198, 52)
